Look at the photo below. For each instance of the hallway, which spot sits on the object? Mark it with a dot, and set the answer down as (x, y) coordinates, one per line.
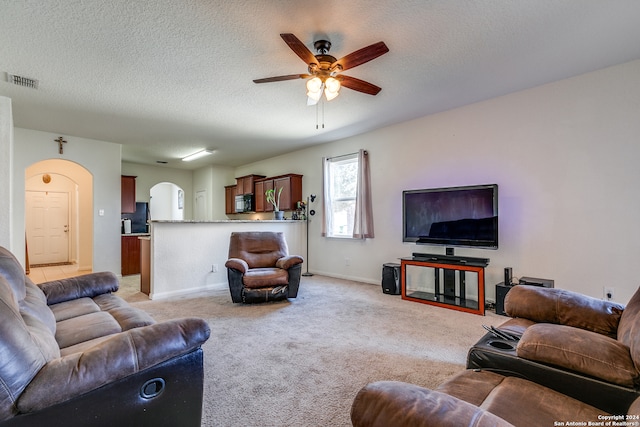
(56, 272)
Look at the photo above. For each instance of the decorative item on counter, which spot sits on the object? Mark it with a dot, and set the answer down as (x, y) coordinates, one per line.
(301, 211)
(275, 201)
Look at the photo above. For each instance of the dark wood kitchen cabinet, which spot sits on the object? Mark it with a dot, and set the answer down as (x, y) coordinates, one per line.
(230, 199)
(130, 259)
(128, 194)
(291, 190)
(291, 185)
(245, 184)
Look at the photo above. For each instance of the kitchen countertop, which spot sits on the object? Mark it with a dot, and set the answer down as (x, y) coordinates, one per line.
(135, 234)
(226, 221)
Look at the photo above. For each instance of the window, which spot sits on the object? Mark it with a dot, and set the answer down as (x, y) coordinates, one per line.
(342, 182)
(347, 201)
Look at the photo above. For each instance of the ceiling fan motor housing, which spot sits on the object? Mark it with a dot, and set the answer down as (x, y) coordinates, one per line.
(322, 46)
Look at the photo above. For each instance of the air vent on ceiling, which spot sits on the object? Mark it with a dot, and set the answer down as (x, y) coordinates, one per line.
(23, 81)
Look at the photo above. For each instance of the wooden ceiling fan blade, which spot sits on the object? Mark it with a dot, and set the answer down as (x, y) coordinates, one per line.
(299, 48)
(359, 85)
(361, 56)
(282, 78)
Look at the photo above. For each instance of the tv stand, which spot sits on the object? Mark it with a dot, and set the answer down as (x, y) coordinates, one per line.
(452, 294)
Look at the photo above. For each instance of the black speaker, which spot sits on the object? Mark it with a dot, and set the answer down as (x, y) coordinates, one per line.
(391, 279)
(507, 276)
(501, 293)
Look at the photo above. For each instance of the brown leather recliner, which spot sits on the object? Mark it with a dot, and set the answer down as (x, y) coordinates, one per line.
(477, 398)
(578, 345)
(74, 354)
(260, 268)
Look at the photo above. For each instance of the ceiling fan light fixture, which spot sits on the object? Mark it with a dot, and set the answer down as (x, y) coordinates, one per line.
(314, 85)
(331, 88)
(197, 155)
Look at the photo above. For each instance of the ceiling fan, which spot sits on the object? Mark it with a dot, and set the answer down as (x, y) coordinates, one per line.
(325, 70)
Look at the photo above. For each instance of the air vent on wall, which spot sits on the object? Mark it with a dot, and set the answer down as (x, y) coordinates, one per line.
(23, 81)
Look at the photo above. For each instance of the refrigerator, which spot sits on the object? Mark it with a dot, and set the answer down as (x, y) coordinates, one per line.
(139, 219)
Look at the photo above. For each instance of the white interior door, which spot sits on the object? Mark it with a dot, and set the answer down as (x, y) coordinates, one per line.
(47, 224)
(201, 205)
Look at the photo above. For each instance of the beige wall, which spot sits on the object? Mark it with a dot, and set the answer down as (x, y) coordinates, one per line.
(102, 160)
(565, 158)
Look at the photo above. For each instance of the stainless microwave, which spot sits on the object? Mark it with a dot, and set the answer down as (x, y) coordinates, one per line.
(244, 203)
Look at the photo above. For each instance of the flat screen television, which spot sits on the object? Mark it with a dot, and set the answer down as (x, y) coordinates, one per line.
(453, 216)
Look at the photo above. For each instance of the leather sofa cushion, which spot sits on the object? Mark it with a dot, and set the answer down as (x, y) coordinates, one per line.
(11, 269)
(265, 277)
(72, 288)
(259, 249)
(580, 351)
(69, 309)
(393, 403)
(84, 328)
(516, 400)
(519, 402)
(628, 330)
(545, 305)
(27, 345)
(127, 316)
(35, 304)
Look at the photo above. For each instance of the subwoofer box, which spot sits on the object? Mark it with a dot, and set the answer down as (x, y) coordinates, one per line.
(391, 279)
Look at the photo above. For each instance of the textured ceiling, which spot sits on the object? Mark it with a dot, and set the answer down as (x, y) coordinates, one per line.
(166, 78)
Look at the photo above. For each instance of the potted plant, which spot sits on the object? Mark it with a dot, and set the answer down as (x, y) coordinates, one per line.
(274, 199)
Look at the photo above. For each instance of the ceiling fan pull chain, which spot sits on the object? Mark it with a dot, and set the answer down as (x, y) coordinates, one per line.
(322, 114)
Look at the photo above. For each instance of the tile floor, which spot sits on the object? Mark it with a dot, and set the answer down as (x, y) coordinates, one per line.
(57, 272)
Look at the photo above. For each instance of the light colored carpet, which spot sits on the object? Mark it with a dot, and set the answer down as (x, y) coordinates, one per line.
(301, 362)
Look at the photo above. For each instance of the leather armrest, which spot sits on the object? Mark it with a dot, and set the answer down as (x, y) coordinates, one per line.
(580, 351)
(289, 261)
(551, 305)
(392, 403)
(87, 285)
(237, 264)
(122, 355)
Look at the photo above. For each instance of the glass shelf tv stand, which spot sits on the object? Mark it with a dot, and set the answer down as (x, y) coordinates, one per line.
(450, 282)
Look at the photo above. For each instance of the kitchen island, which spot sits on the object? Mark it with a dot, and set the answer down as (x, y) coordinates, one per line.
(187, 257)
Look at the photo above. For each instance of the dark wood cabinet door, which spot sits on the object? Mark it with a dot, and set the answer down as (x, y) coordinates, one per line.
(128, 194)
(229, 199)
(259, 196)
(130, 259)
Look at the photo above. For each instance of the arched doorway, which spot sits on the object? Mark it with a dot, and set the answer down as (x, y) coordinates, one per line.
(167, 202)
(59, 213)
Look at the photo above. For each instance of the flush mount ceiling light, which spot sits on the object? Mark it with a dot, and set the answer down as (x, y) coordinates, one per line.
(325, 71)
(197, 155)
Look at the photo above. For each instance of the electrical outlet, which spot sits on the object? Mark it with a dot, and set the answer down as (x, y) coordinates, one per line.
(608, 293)
(214, 268)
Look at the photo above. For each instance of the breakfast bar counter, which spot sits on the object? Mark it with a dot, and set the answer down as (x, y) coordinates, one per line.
(187, 257)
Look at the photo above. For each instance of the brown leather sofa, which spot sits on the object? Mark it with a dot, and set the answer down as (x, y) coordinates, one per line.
(260, 269)
(576, 359)
(581, 346)
(476, 398)
(74, 354)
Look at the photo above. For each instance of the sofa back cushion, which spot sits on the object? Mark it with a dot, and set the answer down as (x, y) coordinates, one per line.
(11, 269)
(26, 345)
(629, 328)
(559, 306)
(35, 304)
(260, 249)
